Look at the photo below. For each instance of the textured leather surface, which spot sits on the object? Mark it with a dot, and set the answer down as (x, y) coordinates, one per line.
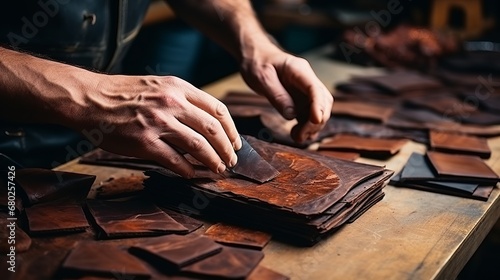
(120, 186)
(462, 166)
(459, 143)
(135, 217)
(56, 218)
(92, 258)
(188, 222)
(368, 147)
(400, 81)
(176, 250)
(42, 185)
(362, 110)
(230, 263)
(238, 236)
(340, 155)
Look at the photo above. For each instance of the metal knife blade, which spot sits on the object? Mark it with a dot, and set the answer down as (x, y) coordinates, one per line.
(251, 165)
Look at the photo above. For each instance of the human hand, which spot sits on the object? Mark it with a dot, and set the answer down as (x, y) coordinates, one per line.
(292, 88)
(157, 118)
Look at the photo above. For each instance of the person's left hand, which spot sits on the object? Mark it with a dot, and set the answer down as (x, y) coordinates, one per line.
(292, 88)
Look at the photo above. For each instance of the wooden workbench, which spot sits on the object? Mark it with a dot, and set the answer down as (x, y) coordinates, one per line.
(410, 234)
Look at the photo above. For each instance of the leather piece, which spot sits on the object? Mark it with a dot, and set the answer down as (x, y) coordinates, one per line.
(367, 147)
(56, 218)
(340, 155)
(121, 186)
(176, 251)
(92, 258)
(459, 143)
(230, 263)
(462, 166)
(238, 236)
(443, 102)
(264, 273)
(418, 169)
(448, 188)
(362, 110)
(400, 81)
(188, 222)
(245, 98)
(134, 217)
(22, 240)
(43, 185)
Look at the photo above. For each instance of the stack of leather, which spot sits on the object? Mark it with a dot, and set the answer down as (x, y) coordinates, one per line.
(459, 175)
(312, 196)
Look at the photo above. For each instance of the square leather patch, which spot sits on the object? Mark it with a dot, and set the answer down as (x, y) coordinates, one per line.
(462, 166)
(176, 251)
(362, 110)
(238, 236)
(92, 258)
(459, 143)
(56, 218)
(135, 217)
(368, 147)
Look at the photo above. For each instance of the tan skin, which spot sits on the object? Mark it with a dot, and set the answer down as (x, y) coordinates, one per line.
(155, 117)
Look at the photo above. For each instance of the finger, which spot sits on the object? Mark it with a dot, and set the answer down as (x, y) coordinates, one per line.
(271, 87)
(190, 141)
(320, 98)
(302, 132)
(213, 108)
(168, 157)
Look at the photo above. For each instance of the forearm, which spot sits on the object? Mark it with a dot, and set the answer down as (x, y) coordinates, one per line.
(232, 24)
(38, 90)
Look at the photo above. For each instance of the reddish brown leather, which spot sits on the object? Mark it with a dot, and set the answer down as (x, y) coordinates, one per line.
(238, 236)
(176, 250)
(230, 263)
(121, 186)
(188, 222)
(56, 218)
(400, 81)
(43, 185)
(92, 258)
(135, 217)
(368, 147)
(362, 110)
(459, 143)
(461, 166)
(443, 102)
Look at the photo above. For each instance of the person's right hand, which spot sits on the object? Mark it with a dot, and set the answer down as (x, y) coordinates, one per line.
(158, 118)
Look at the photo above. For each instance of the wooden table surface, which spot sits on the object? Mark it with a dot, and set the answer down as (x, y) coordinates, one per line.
(410, 234)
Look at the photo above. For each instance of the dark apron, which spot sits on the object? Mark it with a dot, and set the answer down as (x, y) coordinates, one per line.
(93, 34)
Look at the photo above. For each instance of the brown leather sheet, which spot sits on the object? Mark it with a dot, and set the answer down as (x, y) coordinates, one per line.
(263, 273)
(119, 187)
(45, 185)
(176, 251)
(368, 147)
(230, 263)
(56, 218)
(134, 217)
(462, 166)
(459, 143)
(238, 236)
(188, 222)
(401, 81)
(340, 155)
(92, 258)
(362, 110)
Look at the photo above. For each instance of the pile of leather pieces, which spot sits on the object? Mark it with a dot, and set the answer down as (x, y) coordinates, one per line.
(311, 197)
(62, 234)
(454, 174)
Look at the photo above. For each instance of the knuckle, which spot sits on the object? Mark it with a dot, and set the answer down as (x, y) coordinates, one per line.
(212, 127)
(196, 144)
(175, 160)
(221, 109)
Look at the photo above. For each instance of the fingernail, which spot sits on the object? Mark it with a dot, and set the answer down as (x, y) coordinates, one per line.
(289, 113)
(221, 168)
(237, 144)
(234, 160)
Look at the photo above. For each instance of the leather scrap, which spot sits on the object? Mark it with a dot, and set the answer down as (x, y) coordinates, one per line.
(56, 218)
(232, 235)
